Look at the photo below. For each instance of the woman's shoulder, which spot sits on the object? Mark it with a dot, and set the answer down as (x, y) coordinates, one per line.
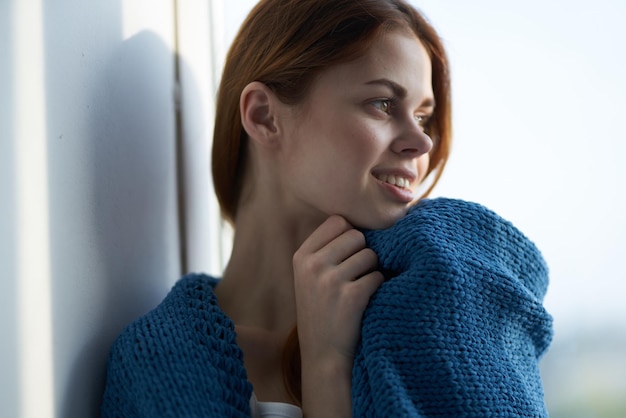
(193, 290)
(184, 351)
(188, 317)
(441, 215)
(446, 232)
(445, 221)
(192, 294)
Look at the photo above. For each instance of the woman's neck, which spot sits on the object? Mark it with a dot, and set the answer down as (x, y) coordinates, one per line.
(257, 285)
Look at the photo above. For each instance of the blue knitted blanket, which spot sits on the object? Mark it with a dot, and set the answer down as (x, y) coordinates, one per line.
(460, 327)
(456, 331)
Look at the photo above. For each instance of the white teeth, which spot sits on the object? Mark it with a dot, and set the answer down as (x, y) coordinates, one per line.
(401, 182)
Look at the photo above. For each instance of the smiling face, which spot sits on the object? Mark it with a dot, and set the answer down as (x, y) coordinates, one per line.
(356, 146)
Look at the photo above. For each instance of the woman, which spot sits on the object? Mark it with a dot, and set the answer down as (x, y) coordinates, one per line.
(330, 116)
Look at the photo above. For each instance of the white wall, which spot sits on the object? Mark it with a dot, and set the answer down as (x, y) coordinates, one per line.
(89, 217)
(9, 370)
(201, 54)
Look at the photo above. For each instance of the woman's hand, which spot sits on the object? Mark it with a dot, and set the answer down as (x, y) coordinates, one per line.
(335, 276)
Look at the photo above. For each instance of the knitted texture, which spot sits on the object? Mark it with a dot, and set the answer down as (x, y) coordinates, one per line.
(179, 360)
(456, 332)
(460, 327)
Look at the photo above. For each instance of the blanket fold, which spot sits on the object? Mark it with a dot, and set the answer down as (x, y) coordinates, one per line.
(459, 328)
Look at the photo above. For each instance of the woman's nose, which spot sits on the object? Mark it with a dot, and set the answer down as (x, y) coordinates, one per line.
(412, 141)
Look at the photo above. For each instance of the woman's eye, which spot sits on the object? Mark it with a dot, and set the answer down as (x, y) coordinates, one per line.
(422, 120)
(384, 105)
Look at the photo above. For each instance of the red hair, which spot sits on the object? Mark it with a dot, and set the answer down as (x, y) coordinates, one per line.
(285, 44)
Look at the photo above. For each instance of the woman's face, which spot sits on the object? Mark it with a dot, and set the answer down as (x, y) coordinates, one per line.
(356, 146)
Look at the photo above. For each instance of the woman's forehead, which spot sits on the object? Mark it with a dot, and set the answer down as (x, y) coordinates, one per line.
(397, 60)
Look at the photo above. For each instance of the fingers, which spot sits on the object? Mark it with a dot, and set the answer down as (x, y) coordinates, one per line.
(332, 227)
(335, 275)
(358, 264)
(368, 283)
(334, 242)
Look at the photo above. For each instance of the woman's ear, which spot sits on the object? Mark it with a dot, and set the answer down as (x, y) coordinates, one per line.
(258, 105)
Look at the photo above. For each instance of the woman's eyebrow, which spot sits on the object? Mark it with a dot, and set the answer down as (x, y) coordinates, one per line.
(399, 91)
(396, 88)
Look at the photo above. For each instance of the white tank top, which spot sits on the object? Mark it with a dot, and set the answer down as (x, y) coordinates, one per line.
(273, 409)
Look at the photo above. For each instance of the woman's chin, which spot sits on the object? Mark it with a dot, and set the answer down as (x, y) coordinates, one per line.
(382, 221)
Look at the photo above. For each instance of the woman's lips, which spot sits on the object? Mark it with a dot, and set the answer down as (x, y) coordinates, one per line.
(395, 180)
(398, 187)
